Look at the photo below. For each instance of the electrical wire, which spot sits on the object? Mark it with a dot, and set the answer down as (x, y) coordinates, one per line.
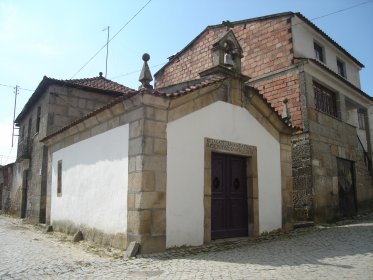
(300, 23)
(278, 30)
(14, 87)
(342, 10)
(104, 46)
(135, 71)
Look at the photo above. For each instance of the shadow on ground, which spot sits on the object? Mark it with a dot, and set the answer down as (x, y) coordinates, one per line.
(312, 247)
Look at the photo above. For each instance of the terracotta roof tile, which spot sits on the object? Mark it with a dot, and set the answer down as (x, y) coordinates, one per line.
(201, 83)
(99, 83)
(166, 93)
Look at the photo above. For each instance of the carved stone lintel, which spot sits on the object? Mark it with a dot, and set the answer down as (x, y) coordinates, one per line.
(227, 146)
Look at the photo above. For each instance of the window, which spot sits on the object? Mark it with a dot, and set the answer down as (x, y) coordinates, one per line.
(29, 128)
(319, 52)
(1, 195)
(341, 68)
(59, 178)
(38, 119)
(325, 100)
(361, 118)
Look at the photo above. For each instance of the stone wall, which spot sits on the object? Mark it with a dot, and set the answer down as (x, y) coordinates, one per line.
(59, 106)
(280, 86)
(330, 139)
(364, 184)
(302, 177)
(147, 117)
(11, 182)
(68, 104)
(147, 175)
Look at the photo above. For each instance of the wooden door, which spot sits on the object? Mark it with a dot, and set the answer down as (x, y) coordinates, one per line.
(346, 187)
(229, 209)
(24, 194)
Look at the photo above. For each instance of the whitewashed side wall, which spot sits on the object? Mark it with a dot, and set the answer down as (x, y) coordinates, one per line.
(303, 38)
(185, 168)
(94, 182)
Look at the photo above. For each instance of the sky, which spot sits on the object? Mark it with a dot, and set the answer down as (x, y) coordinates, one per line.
(57, 38)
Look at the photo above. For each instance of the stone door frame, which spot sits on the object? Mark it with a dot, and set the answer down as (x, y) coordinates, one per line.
(250, 153)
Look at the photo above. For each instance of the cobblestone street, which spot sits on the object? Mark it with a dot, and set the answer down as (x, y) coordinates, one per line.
(342, 251)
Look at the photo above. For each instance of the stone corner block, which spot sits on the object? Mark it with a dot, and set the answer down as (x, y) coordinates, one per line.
(78, 236)
(133, 249)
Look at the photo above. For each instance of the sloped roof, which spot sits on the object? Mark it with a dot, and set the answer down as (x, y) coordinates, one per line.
(168, 93)
(310, 23)
(97, 84)
(173, 92)
(344, 80)
(259, 19)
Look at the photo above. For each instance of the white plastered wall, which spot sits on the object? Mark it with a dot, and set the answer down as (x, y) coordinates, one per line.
(185, 169)
(303, 38)
(94, 182)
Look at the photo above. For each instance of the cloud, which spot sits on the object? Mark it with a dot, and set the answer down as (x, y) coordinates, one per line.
(7, 153)
(43, 48)
(8, 22)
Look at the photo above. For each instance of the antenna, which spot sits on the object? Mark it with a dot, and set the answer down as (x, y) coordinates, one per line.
(107, 47)
(14, 112)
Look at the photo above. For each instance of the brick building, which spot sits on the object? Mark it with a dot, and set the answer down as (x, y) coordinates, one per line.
(53, 105)
(312, 80)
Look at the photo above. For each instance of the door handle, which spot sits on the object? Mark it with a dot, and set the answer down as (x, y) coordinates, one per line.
(216, 183)
(236, 184)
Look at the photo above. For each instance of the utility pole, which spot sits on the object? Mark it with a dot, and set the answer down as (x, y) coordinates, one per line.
(14, 111)
(107, 47)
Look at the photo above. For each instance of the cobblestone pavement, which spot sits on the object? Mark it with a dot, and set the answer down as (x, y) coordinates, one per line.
(341, 251)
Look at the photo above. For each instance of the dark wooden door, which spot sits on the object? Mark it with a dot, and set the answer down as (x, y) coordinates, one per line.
(229, 217)
(24, 194)
(346, 187)
(1, 195)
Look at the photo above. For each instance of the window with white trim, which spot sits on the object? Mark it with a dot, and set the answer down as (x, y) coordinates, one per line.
(319, 52)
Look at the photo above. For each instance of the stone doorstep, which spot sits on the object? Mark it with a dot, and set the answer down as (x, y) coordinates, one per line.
(303, 224)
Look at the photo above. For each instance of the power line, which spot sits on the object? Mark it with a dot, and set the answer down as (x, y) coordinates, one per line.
(15, 86)
(311, 19)
(135, 71)
(342, 10)
(6, 86)
(143, 7)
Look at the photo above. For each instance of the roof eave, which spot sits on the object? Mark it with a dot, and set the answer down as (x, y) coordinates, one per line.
(317, 29)
(321, 65)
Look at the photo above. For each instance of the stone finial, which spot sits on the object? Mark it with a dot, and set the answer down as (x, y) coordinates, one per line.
(227, 24)
(145, 75)
(100, 74)
(285, 110)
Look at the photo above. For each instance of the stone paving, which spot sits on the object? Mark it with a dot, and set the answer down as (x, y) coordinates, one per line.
(340, 251)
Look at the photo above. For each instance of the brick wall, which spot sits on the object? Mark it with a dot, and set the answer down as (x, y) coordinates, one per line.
(266, 47)
(279, 87)
(191, 62)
